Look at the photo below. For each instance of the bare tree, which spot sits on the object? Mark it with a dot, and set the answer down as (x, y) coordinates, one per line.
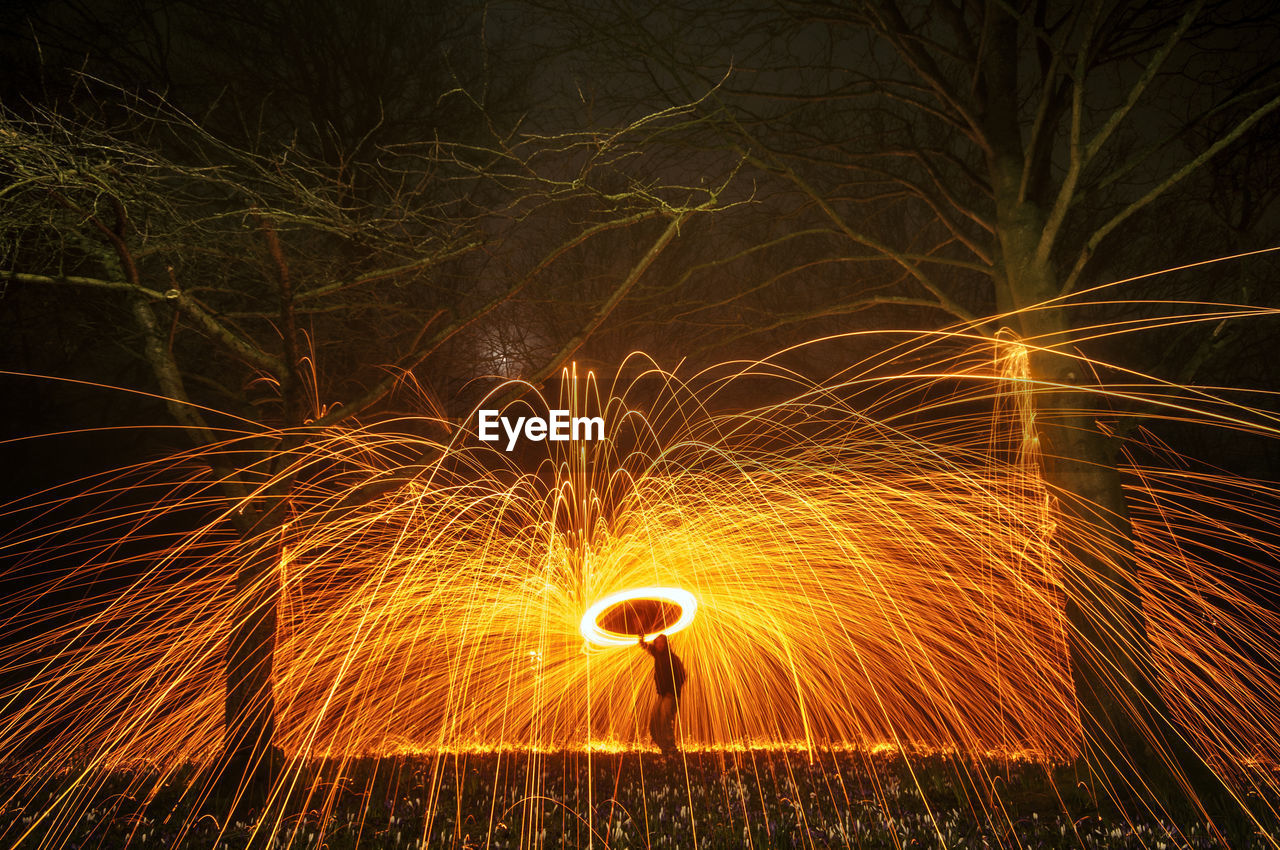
(988, 159)
(265, 296)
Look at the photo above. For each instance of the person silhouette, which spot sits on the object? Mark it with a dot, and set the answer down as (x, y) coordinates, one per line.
(668, 679)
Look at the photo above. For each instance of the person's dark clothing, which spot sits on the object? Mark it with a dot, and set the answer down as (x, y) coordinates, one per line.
(668, 672)
(668, 678)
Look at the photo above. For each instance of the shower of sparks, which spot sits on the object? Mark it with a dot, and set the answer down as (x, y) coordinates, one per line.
(874, 562)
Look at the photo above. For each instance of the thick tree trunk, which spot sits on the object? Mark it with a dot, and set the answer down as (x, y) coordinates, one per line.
(1131, 744)
(1133, 747)
(1107, 638)
(250, 760)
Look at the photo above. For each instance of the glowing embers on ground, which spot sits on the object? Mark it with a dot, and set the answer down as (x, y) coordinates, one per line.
(619, 618)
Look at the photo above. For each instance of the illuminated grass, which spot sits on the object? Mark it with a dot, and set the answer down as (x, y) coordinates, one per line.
(767, 798)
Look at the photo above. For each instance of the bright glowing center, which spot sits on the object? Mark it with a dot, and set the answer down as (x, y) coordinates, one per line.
(607, 622)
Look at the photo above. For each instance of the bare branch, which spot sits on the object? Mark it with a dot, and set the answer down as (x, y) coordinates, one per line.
(1086, 252)
(566, 351)
(944, 302)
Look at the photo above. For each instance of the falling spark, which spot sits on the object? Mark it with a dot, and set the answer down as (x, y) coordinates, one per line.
(873, 561)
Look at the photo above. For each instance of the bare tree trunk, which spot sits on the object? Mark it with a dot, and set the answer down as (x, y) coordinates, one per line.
(1111, 664)
(1130, 741)
(250, 759)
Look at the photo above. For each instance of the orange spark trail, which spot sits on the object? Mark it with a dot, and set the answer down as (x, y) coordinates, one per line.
(875, 561)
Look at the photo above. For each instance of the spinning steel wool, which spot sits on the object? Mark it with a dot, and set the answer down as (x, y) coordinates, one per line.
(873, 560)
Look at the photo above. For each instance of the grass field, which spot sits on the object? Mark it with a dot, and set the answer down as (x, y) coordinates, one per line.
(751, 798)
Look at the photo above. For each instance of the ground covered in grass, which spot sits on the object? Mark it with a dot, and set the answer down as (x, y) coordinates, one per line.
(752, 798)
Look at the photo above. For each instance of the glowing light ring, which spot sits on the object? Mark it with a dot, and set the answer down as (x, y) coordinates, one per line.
(592, 631)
